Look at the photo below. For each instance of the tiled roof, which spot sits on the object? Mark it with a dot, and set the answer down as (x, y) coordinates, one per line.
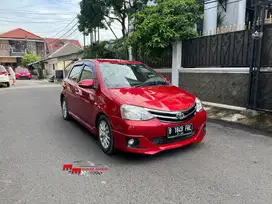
(54, 44)
(20, 33)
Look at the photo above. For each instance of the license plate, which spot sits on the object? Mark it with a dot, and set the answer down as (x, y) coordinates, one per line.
(179, 131)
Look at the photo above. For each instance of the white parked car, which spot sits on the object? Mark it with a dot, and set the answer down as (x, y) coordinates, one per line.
(4, 76)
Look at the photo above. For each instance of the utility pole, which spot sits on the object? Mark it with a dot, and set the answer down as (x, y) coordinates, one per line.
(95, 35)
(98, 34)
(91, 38)
(84, 39)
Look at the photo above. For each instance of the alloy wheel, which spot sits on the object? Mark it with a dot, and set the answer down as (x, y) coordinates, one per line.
(64, 109)
(104, 134)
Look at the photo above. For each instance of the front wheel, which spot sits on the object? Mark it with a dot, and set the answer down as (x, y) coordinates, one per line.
(105, 136)
(8, 84)
(64, 107)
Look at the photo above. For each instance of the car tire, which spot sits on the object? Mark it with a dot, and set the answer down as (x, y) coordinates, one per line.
(8, 84)
(64, 109)
(105, 137)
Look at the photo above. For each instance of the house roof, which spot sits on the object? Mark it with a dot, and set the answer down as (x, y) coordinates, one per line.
(20, 33)
(53, 44)
(66, 49)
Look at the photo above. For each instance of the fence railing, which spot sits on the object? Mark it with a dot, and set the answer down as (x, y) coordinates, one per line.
(231, 49)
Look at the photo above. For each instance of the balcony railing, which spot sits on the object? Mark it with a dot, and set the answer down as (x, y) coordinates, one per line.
(19, 53)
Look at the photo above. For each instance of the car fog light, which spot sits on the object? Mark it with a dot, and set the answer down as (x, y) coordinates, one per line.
(131, 142)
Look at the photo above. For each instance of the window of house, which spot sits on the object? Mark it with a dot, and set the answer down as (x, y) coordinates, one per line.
(18, 46)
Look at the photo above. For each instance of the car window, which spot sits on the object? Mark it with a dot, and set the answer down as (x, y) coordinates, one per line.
(2, 68)
(18, 70)
(75, 73)
(87, 73)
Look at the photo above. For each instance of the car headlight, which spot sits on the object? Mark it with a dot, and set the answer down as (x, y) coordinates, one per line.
(199, 106)
(130, 112)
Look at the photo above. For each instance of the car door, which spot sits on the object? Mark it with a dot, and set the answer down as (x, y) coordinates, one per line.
(88, 96)
(72, 97)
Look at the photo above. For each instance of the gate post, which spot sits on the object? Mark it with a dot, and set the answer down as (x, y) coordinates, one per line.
(176, 62)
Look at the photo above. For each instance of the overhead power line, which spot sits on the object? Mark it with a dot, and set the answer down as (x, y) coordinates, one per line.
(69, 30)
(63, 34)
(74, 31)
(65, 26)
(20, 13)
(31, 22)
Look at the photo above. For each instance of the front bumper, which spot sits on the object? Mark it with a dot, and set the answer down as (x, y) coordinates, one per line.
(23, 77)
(152, 134)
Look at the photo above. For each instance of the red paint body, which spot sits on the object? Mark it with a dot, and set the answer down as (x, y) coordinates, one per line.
(86, 104)
(22, 73)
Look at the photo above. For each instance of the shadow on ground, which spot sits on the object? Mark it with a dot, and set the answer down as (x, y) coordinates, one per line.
(131, 158)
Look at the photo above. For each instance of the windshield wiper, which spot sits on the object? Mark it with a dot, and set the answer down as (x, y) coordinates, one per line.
(151, 83)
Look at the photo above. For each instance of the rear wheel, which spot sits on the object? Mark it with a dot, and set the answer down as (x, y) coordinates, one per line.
(8, 84)
(64, 107)
(105, 136)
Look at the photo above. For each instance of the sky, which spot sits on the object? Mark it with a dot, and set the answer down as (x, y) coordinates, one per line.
(47, 18)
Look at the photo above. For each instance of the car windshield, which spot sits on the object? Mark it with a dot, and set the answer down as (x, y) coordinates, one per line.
(2, 68)
(129, 75)
(20, 69)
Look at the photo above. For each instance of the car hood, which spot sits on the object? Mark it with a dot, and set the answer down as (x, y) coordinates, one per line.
(168, 98)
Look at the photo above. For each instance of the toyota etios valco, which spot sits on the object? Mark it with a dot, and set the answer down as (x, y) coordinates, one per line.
(130, 107)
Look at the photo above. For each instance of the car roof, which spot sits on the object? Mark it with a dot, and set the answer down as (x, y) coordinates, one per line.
(115, 61)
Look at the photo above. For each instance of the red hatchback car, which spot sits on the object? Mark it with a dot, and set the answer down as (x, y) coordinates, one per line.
(130, 107)
(22, 73)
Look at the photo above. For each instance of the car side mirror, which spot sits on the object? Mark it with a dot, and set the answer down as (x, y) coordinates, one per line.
(87, 83)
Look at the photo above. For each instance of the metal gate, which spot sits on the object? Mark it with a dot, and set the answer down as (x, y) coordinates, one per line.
(260, 74)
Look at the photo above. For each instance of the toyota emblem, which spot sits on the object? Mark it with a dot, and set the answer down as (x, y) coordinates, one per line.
(179, 115)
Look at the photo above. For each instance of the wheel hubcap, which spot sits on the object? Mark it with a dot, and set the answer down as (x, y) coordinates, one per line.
(64, 109)
(104, 134)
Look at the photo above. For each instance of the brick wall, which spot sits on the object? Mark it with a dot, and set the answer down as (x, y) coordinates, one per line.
(224, 88)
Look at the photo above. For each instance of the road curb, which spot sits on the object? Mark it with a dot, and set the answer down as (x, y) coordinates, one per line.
(245, 118)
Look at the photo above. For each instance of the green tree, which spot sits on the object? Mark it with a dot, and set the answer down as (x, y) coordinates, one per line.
(156, 27)
(98, 13)
(29, 58)
(105, 49)
(220, 19)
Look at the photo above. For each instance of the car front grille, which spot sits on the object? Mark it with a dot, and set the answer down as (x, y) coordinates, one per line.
(170, 117)
(24, 77)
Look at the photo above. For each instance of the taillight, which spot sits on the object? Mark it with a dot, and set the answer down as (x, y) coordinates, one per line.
(4, 73)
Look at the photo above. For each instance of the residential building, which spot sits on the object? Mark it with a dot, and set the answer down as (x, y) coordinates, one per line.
(15, 43)
(53, 44)
(56, 49)
(233, 13)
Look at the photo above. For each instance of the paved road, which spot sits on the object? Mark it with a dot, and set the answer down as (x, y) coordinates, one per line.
(22, 84)
(231, 166)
